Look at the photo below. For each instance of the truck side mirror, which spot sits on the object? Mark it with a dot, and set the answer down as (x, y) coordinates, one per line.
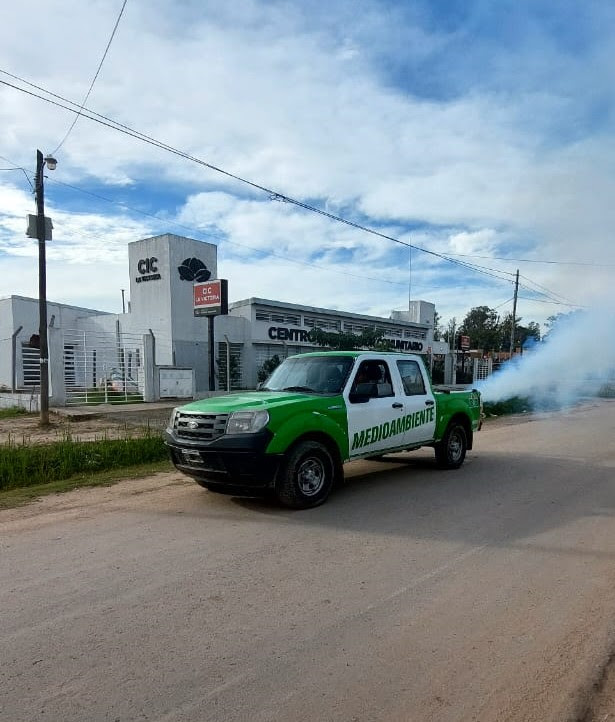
(356, 398)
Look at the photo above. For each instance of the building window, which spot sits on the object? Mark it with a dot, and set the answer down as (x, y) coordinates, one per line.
(357, 327)
(290, 319)
(326, 324)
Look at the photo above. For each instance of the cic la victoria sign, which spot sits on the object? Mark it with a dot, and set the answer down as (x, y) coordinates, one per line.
(211, 298)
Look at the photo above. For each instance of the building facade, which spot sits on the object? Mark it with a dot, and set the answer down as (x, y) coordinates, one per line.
(158, 348)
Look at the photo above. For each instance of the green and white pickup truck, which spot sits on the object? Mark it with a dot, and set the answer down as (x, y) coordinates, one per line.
(315, 412)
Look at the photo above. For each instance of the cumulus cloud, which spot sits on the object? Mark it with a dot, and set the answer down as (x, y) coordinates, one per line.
(395, 120)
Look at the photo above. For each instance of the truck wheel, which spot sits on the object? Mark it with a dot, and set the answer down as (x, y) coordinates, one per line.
(451, 451)
(305, 478)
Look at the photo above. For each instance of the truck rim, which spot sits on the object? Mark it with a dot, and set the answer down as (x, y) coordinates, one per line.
(455, 446)
(311, 476)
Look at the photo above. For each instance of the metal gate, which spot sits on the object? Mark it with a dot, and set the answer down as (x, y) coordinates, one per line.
(483, 368)
(102, 367)
(234, 374)
(31, 366)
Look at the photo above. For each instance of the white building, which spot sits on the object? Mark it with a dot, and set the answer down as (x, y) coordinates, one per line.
(159, 349)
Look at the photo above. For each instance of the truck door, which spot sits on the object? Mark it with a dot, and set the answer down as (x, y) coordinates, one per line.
(375, 413)
(419, 402)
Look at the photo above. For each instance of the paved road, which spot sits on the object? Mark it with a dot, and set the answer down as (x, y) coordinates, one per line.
(414, 594)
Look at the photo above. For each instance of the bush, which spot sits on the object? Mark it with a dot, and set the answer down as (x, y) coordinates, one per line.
(26, 465)
(515, 405)
(268, 367)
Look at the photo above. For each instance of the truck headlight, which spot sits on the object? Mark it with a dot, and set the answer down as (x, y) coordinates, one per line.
(247, 422)
(172, 419)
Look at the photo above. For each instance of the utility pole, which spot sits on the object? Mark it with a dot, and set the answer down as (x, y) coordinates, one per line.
(514, 316)
(42, 291)
(43, 233)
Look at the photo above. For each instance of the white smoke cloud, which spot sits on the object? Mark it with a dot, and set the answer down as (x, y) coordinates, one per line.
(575, 361)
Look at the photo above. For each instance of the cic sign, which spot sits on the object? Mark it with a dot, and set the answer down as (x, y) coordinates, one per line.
(211, 298)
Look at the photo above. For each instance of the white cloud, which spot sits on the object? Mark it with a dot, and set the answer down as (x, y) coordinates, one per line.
(333, 112)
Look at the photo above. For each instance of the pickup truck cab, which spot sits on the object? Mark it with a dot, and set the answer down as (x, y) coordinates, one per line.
(315, 412)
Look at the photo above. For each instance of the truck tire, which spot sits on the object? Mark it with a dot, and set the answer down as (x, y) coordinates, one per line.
(451, 451)
(305, 478)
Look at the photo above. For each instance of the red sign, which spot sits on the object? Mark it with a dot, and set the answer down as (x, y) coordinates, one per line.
(464, 343)
(209, 298)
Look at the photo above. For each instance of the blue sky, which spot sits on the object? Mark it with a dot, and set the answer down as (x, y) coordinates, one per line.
(481, 131)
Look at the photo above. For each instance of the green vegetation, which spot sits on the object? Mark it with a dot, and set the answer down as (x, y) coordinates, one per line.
(607, 391)
(18, 497)
(491, 332)
(268, 367)
(368, 339)
(27, 465)
(12, 411)
(516, 405)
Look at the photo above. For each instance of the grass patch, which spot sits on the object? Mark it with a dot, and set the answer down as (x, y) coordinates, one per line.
(515, 405)
(24, 465)
(18, 497)
(13, 411)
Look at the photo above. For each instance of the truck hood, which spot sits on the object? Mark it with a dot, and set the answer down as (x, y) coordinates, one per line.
(249, 400)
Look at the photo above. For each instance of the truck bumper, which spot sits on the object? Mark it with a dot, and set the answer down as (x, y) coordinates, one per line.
(234, 463)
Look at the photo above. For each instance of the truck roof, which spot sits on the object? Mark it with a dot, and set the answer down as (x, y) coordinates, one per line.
(354, 354)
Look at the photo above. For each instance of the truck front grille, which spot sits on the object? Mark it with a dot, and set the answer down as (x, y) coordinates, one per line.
(199, 426)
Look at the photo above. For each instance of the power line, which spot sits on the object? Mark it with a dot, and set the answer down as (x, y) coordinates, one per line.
(273, 195)
(17, 167)
(197, 232)
(556, 303)
(495, 308)
(498, 274)
(555, 296)
(87, 95)
(534, 260)
(235, 243)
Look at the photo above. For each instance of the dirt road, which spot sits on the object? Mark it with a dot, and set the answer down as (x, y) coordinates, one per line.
(414, 594)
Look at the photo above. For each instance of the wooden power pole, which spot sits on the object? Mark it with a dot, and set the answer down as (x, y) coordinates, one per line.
(514, 315)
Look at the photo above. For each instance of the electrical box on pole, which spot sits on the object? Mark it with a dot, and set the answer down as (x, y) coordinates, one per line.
(32, 229)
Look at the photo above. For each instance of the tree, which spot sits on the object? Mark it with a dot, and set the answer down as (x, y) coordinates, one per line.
(482, 325)
(522, 333)
(531, 331)
(367, 339)
(449, 333)
(559, 319)
(436, 326)
(268, 367)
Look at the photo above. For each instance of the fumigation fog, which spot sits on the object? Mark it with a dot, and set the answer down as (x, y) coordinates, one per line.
(574, 362)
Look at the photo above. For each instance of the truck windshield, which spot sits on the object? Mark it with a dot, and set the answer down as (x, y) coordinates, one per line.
(312, 374)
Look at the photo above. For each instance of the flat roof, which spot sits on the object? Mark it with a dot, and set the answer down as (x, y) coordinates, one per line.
(91, 311)
(325, 311)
